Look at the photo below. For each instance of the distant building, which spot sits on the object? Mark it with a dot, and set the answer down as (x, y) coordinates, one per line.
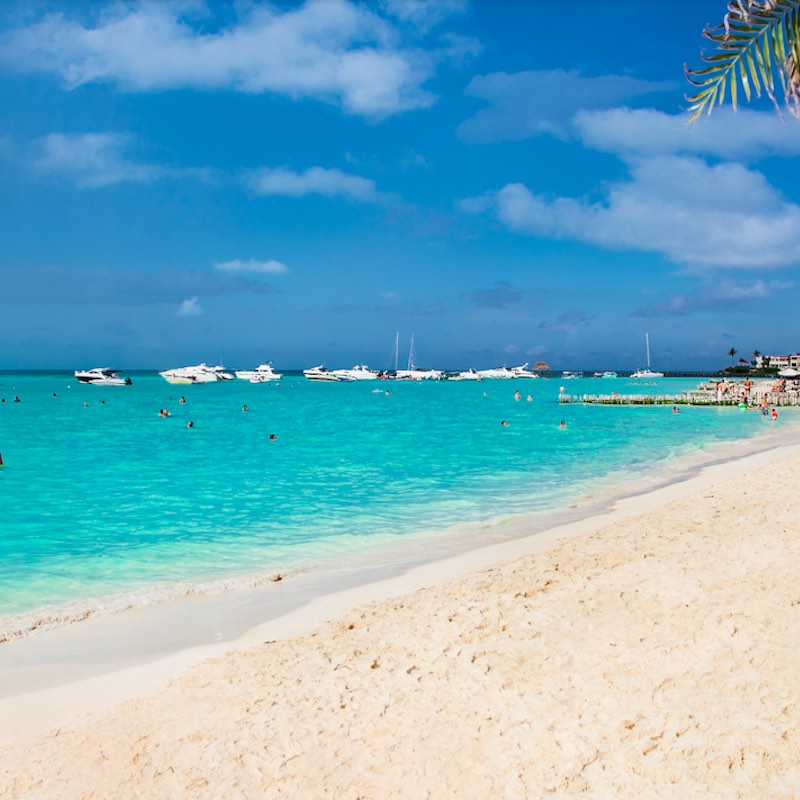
(779, 362)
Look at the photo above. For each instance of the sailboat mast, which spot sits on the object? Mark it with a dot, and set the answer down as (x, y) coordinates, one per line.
(411, 353)
(396, 348)
(647, 346)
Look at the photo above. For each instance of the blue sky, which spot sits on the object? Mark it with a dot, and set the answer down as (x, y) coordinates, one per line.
(508, 181)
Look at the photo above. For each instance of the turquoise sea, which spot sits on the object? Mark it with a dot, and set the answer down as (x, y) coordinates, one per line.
(106, 505)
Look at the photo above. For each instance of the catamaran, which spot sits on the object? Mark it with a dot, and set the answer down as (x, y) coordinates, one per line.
(647, 373)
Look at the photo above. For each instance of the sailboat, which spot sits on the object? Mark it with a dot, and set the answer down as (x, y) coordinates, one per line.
(412, 372)
(647, 373)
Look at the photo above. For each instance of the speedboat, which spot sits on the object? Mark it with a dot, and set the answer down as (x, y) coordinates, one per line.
(359, 372)
(419, 374)
(319, 373)
(566, 374)
(101, 376)
(261, 374)
(523, 372)
(607, 374)
(501, 372)
(198, 373)
(466, 375)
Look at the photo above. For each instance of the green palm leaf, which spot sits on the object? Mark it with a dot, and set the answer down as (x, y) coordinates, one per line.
(757, 48)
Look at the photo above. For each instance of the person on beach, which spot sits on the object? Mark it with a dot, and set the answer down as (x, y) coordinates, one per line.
(774, 414)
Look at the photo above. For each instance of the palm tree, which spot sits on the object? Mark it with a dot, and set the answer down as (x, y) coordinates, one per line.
(757, 47)
(756, 354)
(732, 352)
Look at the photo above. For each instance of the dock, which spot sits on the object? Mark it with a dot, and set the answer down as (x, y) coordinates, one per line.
(710, 394)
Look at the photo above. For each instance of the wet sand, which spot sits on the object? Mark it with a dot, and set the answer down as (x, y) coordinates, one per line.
(650, 652)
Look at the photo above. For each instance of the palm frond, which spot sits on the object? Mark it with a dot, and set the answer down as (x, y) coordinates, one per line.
(757, 48)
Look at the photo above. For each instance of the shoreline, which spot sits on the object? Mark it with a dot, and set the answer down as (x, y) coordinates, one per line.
(80, 679)
(390, 554)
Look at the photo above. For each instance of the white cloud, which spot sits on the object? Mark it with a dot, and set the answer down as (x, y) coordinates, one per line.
(424, 14)
(742, 135)
(190, 308)
(526, 104)
(316, 180)
(700, 216)
(269, 267)
(93, 160)
(332, 50)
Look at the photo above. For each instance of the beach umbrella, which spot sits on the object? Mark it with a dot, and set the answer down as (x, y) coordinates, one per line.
(789, 373)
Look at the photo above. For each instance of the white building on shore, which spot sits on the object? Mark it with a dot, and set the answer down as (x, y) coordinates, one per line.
(779, 362)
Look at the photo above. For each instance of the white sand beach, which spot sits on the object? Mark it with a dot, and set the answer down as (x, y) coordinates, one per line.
(651, 652)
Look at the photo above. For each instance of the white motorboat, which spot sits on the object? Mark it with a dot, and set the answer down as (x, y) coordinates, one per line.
(503, 373)
(567, 374)
(263, 373)
(319, 373)
(466, 375)
(647, 373)
(607, 374)
(360, 372)
(523, 372)
(198, 373)
(101, 376)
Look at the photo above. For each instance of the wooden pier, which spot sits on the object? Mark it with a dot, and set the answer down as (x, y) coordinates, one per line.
(735, 395)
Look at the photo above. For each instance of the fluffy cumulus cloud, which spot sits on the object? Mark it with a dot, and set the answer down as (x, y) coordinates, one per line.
(190, 307)
(720, 294)
(93, 160)
(526, 104)
(742, 136)
(268, 267)
(340, 52)
(698, 215)
(316, 180)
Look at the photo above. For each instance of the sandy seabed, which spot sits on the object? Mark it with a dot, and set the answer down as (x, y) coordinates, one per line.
(656, 656)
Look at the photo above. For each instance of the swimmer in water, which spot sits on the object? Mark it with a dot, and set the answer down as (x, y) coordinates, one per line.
(504, 424)
(563, 425)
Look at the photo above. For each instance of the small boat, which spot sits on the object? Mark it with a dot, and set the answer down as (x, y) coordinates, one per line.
(360, 372)
(101, 376)
(263, 373)
(502, 373)
(466, 375)
(319, 373)
(566, 374)
(647, 373)
(523, 372)
(608, 374)
(197, 373)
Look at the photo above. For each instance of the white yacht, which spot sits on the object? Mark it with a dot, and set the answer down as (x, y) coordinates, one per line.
(101, 376)
(607, 374)
(360, 372)
(647, 373)
(503, 373)
(523, 372)
(319, 373)
(198, 373)
(466, 375)
(263, 373)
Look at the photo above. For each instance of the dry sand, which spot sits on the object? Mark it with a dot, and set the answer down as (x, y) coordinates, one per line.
(656, 656)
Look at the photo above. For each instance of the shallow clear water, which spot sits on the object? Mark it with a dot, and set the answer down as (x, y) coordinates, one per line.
(109, 499)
